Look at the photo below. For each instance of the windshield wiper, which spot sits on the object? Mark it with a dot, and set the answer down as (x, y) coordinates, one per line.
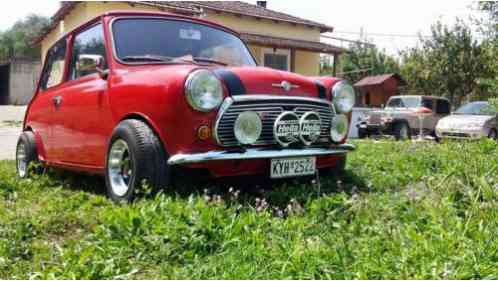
(147, 58)
(208, 60)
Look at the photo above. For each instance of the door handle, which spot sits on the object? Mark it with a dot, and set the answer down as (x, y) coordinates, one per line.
(57, 100)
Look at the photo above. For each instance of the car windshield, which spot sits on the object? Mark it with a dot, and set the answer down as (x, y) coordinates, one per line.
(476, 108)
(163, 40)
(408, 102)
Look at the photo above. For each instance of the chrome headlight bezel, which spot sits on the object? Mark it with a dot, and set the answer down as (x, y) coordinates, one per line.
(343, 96)
(250, 118)
(339, 128)
(203, 90)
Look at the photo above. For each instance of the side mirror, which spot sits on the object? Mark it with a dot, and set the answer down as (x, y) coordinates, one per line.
(89, 64)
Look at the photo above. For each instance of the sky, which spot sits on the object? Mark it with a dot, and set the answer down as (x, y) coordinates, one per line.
(391, 25)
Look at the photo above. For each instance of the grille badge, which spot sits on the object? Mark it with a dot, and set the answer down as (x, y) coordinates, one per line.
(286, 85)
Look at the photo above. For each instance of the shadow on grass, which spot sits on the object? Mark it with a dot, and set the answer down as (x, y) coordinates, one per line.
(258, 192)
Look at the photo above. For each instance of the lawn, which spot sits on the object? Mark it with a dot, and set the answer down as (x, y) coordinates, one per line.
(402, 210)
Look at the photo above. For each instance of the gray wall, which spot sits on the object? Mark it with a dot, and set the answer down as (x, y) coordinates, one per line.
(23, 79)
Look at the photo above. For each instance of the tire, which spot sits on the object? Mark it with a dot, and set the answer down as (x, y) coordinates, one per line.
(401, 131)
(26, 155)
(135, 162)
(362, 134)
(493, 134)
(337, 170)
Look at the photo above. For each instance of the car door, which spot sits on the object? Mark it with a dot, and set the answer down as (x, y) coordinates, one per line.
(84, 101)
(429, 119)
(43, 110)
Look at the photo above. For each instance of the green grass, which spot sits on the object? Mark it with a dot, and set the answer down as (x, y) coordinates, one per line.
(402, 210)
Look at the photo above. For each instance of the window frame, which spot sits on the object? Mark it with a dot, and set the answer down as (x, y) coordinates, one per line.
(276, 51)
(45, 65)
(75, 34)
(116, 58)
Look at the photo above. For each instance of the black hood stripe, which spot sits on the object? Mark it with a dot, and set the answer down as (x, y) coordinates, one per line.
(322, 91)
(232, 81)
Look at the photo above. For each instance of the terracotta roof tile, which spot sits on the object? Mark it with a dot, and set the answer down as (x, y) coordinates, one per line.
(378, 79)
(245, 9)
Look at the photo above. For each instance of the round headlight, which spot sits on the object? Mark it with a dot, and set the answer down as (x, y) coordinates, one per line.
(339, 129)
(203, 90)
(343, 96)
(247, 128)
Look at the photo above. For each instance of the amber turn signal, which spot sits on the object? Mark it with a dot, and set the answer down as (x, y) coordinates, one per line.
(204, 132)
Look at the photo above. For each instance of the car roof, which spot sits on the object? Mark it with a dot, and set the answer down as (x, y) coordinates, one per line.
(423, 96)
(135, 13)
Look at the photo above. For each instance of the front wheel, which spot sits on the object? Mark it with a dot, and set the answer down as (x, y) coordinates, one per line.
(136, 162)
(493, 134)
(401, 131)
(26, 155)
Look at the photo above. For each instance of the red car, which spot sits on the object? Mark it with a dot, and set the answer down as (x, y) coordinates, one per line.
(129, 95)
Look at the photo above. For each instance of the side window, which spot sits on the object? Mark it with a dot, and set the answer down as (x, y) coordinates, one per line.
(429, 103)
(54, 67)
(443, 107)
(88, 52)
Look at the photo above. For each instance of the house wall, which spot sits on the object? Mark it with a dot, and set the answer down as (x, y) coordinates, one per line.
(23, 81)
(379, 94)
(305, 62)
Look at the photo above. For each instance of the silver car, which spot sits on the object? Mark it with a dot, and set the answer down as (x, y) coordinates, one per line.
(472, 120)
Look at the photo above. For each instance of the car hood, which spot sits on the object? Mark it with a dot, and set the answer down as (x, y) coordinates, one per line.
(263, 80)
(455, 121)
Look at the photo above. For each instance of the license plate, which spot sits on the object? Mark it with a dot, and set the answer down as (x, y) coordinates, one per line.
(292, 167)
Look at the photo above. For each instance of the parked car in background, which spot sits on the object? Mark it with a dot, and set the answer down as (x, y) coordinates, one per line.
(472, 120)
(129, 95)
(404, 116)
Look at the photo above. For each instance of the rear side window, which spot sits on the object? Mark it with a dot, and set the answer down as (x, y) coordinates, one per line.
(53, 73)
(87, 46)
(443, 107)
(428, 103)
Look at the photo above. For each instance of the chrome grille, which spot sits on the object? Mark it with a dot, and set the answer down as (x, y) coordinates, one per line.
(269, 108)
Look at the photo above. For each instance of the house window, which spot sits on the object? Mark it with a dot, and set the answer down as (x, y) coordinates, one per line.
(276, 58)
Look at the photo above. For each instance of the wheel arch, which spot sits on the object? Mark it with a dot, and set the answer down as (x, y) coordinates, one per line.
(40, 147)
(150, 123)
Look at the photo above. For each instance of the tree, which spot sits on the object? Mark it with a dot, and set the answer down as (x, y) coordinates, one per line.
(17, 42)
(450, 63)
(362, 59)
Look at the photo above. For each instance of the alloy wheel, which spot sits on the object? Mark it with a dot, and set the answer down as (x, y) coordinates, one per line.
(120, 167)
(21, 160)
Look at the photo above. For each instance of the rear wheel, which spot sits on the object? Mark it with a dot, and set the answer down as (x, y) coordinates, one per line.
(401, 131)
(26, 155)
(136, 162)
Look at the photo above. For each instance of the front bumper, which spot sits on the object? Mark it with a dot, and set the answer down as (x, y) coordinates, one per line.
(373, 129)
(460, 134)
(257, 153)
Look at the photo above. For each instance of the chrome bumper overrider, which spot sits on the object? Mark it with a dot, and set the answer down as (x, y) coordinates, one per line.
(257, 153)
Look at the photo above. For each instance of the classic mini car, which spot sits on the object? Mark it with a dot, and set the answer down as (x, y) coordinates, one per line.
(129, 95)
(472, 120)
(404, 116)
